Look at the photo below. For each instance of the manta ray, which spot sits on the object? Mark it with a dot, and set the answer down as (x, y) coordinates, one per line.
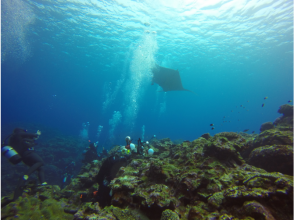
(167, 79)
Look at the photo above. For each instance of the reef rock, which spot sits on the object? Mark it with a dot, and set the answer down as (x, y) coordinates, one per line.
(285, 122)
(206, 136)
(276, 158)
(40, 202)
(201, 179)
(257, 210)
(169, 215)
(226, 146)
(273, 136)
(286, 110)
(266, 126)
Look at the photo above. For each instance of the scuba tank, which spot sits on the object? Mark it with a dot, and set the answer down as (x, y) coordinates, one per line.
(10, 153)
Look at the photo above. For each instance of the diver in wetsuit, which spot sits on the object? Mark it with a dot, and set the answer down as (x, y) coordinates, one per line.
(24, 142)
(140, 148)
(68, 174)
(91, 153)
(107, 172)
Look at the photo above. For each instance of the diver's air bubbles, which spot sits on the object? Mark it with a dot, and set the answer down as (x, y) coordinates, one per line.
(116, 118)
(84, 133)
(111, 94)
(16, 16)
(163, 105)
(140, 76)
(143, 132)
(99, 130)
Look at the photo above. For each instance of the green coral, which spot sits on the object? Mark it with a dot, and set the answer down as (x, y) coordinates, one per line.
(273, 136)
(202, 179)
(216, 199)
(169, 215)
(226, 146)
(275, 158)
(35, 209)
(158, 194)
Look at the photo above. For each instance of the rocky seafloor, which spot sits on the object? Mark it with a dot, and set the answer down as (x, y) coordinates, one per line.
(227, 176)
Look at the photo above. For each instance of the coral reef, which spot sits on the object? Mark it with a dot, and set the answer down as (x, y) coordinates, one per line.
(276, 158)
(37, 203)
(227, 176)
(285, 122)
(226, 146)
(266, 126)
(57, 151)
(286, 110)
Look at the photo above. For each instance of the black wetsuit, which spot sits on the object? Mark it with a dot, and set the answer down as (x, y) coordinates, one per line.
(107, 173)
(68, 174)
(140, 147)
(23, 143)
(91, 154)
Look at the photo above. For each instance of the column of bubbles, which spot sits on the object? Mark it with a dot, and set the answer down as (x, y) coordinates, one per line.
(116, 118)
(142, 62)
(143, 132)
(162, 108)
(99, 130)
(84, 133)
(108, 91)
(16, 18)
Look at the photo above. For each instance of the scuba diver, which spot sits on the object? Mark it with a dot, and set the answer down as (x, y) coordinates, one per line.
(68, 173)
(128, 142)
(107, 173)
(140, 148)
(91, 153)
(103, 154)
(24, 142)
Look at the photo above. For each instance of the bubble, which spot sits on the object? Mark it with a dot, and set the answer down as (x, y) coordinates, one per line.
(140, 75)
(116, 118)
(16, 18)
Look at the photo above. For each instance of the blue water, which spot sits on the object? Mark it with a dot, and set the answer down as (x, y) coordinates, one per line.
(65, 63)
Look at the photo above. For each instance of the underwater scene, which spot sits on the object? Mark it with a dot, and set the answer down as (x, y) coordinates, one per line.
(147, 109)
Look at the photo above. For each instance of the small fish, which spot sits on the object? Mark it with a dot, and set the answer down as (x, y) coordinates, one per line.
(253, 132)
(211, 124)
(246, 130)
(248, 101)
(262, 105)
(244, 107)
(224, 116)
(290, 101)
(241, 105)
(231, 110)
(265, 98)
(212, 128)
